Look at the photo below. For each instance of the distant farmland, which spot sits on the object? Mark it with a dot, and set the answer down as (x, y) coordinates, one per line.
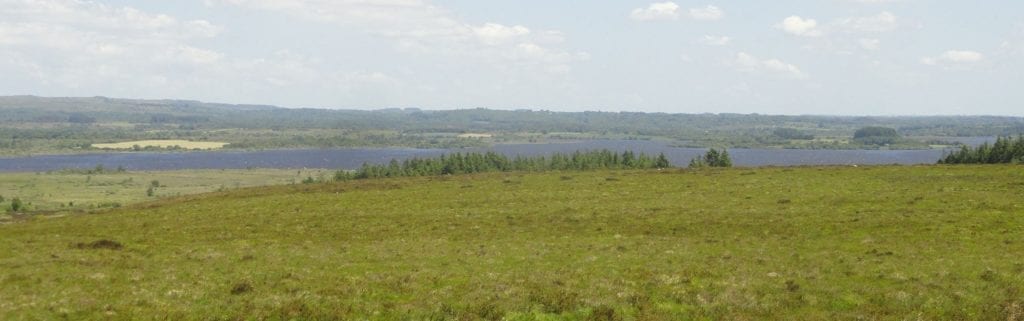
(162, 144)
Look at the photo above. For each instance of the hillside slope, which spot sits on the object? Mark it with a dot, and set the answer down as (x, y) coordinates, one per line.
(885, 243)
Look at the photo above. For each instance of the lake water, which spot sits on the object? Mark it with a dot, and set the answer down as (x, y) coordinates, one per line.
(351, 158)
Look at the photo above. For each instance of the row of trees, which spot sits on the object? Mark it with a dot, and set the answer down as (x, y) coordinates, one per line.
(713, 158)
(1006, 150)
(460, 163)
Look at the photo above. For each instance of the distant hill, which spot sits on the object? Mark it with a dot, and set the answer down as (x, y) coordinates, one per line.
(105, 104)
(103, 109)
(30, 124)
(59, 109)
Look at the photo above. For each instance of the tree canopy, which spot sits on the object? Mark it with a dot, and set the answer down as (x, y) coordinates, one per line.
(876, 136)
(712, 158)
(874, 131)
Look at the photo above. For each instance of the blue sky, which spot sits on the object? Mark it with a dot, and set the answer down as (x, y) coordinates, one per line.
(849, 57)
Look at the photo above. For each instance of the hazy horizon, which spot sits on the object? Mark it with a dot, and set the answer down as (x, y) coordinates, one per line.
(508, 109)
(829, 58)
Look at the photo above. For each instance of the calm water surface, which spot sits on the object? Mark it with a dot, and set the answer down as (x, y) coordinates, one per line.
(350, 158)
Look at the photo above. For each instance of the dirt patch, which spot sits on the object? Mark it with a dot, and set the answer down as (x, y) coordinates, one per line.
(100, 245)
(241, 288)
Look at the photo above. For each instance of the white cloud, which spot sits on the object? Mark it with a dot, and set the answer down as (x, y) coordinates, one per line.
(71, 47)
(870, 44)
(796, 25)
(716, 40)
(670, 11)
(748, 63)
(77, 43)
(195, 55)
(656, 11)
(882, 22)
(496, 34)
(708, 13)
(419, 27)
(954, 58)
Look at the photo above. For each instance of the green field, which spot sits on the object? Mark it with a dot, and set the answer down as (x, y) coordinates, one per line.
(88, 190)
(839, 243)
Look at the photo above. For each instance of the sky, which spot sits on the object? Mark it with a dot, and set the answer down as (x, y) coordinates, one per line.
(821, 57)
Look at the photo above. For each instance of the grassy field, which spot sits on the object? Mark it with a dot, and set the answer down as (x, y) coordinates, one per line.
(66, 190)
(162, 144)
(874, 243)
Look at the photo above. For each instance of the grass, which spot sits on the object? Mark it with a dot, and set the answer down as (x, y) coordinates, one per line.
(76, 190)
(869, 243)
(161, 144)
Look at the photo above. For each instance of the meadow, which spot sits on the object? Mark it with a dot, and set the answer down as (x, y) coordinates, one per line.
(84, 190)
(813, 243)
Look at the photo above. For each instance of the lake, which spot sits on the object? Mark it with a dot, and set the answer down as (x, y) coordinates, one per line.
(350, 158)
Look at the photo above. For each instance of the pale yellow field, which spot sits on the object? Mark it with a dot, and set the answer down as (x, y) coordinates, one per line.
(471, 135)
(162, 144)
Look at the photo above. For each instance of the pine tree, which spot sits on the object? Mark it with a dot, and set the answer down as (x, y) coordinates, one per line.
(662, 161)
(724, 160)
(697, 162)
(711, 158)
(1004, 150)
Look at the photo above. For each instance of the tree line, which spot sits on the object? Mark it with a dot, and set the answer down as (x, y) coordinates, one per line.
(467, 163)
(712, 158)
(1006, 150)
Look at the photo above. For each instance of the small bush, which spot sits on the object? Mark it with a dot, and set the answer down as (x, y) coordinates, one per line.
(17, 205)
(100, 245)
(241, 288)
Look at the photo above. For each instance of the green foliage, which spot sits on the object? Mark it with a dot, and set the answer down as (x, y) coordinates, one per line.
(17, 205)
(712, 158)
(875, 131)
(80, 118)
(1006, 150)
(150, 191)
(2, 199)
(790, 133)
(468, 163)
(875, 135)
